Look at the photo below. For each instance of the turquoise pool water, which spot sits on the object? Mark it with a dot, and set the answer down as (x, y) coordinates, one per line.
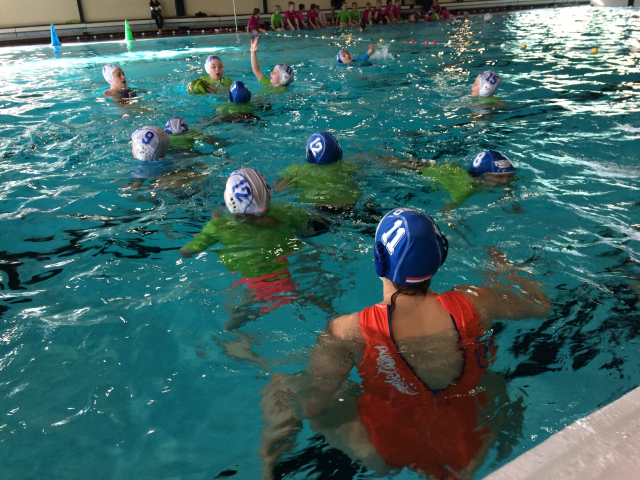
(119, 359)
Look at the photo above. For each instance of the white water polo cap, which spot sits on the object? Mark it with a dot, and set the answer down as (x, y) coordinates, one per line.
(247, 192)
(176, 126)
(489, 83)
(107, 72)
(150, 144)
(210, 59)
(487, 17)
(286, 74)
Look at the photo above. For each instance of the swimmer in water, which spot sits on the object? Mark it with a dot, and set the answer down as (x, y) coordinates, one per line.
(325, 180)
(281, 76)
(216, 83)
(485, 87)
(118, 82)
(239, 107)
(489, 168)
(487, 18)
(256, 239)
(150, 146)
(427, 399)
(345, 57)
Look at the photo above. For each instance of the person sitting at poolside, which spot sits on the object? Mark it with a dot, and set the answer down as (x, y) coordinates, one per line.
(324, 180)
(150, 146)
(239, 107)
(303, 25)
(312, 19)
(376, 13)
(291, 17)
(387, 13)
(367, 14)
(117, 81)
(257, 238)
(276, 19)
(354, 15)
(488, 168)
(216, 83)
(254, 23)
(344, 16)
(444, 14)
(465, 15)
(345, 57)
(321, 18)
(281, 76)
(485, 86)
(427, 399)
(396, 11)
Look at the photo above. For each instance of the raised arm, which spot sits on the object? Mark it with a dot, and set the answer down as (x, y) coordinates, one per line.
(524, 298)
(255, 66)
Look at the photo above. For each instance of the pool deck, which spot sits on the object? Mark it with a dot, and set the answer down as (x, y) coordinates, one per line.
(602, 446)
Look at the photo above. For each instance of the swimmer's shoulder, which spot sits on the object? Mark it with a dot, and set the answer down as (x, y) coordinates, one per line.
(346, 327)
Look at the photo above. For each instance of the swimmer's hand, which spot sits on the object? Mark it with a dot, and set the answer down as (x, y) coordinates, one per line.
(254, 45)
(186, 253)
(282, 185)
(372, 47)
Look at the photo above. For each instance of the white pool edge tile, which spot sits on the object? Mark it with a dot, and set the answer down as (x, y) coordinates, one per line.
(601, 446)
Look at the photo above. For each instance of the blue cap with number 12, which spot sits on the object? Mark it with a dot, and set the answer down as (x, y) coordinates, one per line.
(409, 247)
(323, 148)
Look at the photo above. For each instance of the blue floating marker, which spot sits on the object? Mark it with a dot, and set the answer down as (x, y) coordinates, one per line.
(54, 38)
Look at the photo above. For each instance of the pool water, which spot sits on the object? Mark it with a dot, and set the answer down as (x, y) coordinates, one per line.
(120, 359)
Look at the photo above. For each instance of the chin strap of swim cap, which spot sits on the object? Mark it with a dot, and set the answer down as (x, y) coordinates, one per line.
(381, 259)
(338, 56)
(107, 72)
(489, 83)
(286, 74)
(209, 61)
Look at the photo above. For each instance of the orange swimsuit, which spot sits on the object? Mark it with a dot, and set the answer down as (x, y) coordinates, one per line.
(409, 425)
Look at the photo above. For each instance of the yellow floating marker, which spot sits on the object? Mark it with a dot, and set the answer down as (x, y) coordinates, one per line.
(382, 40)
(299, 35)
(523, 46)
(278, 34)
(594, 50)
(323, 37)
(466, 43)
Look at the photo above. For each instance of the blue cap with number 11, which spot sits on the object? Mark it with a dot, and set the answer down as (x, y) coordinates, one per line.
(323, 148)
(409, 247)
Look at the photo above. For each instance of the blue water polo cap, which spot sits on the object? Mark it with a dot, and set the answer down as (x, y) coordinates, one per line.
(409, 247)
(492, 162)
(323, 149)
(339, 59)
(176, 126)
(239, 93)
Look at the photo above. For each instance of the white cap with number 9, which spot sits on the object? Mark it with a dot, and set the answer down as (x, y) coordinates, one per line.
(150, 144)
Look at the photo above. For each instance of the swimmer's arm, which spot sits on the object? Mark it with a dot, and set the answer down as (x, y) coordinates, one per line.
(331, 362)
(524, 298)
(255, 66)
(282, 185)
(201, 241)
(372, 47)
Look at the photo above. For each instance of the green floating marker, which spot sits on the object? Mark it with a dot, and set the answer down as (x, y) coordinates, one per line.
(128, 36)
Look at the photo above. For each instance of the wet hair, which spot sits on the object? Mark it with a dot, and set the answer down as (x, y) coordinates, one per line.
(256, 11)
(419, 290)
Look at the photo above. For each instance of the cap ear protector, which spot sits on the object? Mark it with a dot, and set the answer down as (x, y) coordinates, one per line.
(381, 259)
(338, 56)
